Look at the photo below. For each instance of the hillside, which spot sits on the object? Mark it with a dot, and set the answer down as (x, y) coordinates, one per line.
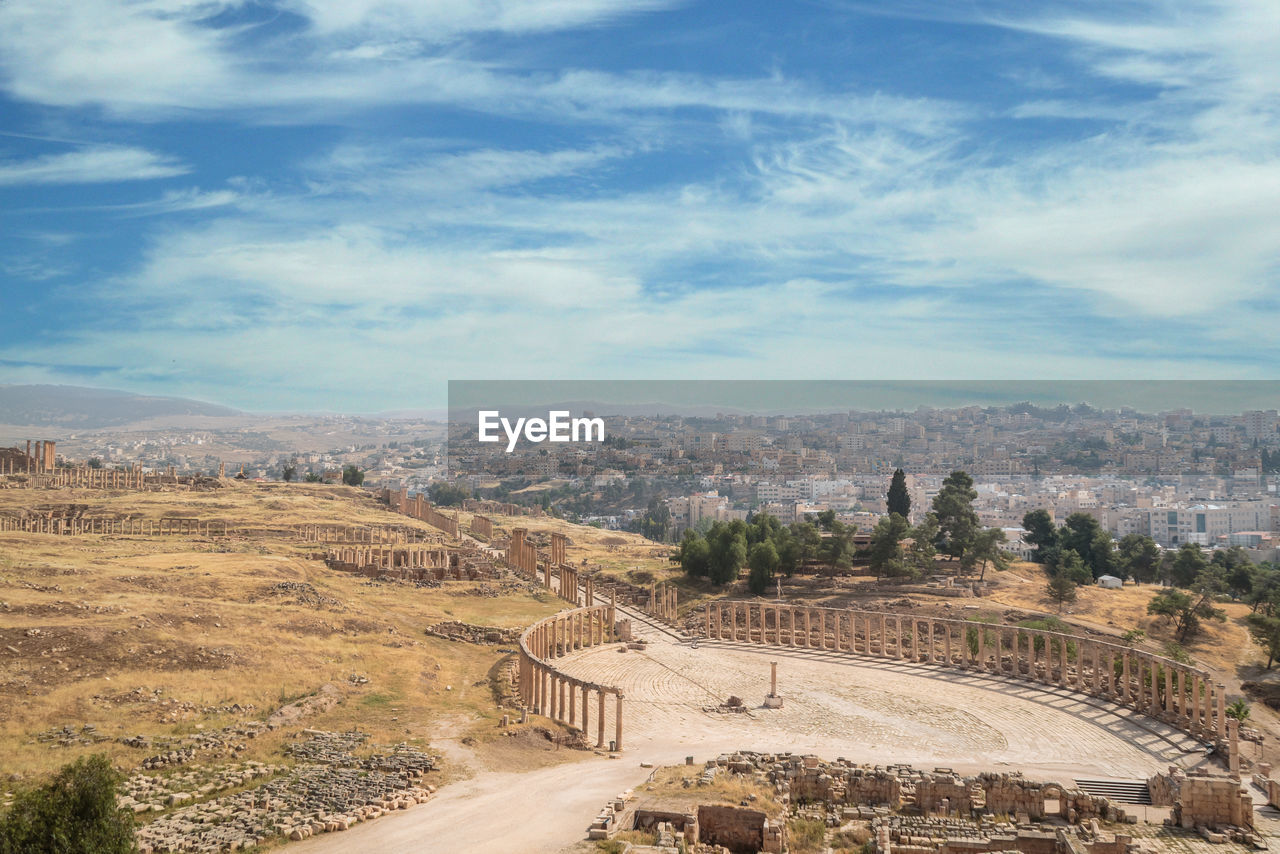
(79, 408)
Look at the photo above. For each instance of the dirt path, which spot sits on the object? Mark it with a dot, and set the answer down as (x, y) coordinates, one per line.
(494, 812)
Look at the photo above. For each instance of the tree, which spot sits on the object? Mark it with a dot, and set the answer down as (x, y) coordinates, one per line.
(763, 561)
(957, 521)
(1071, 566)
(1265, 631)
(1188, 563)
(1061, 589)
(352, 476)
(986, 550)
(289, 472)
(1040, 532)
(75, 812)
(1187, 611)
(1236, 569)
(1083, 534)
(886, 547)
(312, 477)
(95, 462)
(898, 499)
(923, 537)
(1138, 557)
(695, 555)
(728, 551)
(447, 494)
(1238, 709)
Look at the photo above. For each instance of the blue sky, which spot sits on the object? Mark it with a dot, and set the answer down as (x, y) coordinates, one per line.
(342, 205)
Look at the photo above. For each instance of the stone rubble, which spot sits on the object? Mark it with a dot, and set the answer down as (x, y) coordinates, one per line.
(330, 790)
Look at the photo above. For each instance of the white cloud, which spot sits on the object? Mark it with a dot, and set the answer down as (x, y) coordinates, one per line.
(94, 164)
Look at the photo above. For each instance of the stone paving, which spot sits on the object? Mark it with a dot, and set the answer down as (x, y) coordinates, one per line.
(870, 711)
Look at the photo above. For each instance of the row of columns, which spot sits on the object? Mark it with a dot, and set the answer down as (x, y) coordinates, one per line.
(663, 599)
(482, 525)
(1157, 686)
(393, 557)
(142, 527)
(558, 543)
(356, 534)
(420, 508)
(522, 557)
(556, 695)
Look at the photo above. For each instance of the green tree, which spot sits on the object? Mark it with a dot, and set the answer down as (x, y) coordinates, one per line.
(1187, 565)
(352, 476)
(1265, 631)
(1071, 566)
(1138, 557)
(1062, 590)
(312, 477)
(763, 561)
(445, 494)
(94, 462)
(985, 550)
(1236, 569)
(899, 499)
(75, 813)
(289, 472)
(1238, 709)
(1187, 611)
(1086, 536)
(886, 547)
(695, 555)
(657, 517)
(958, 524)
(923, 549)
(1041, 532)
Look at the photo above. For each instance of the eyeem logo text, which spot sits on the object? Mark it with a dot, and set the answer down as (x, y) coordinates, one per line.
(556, 427)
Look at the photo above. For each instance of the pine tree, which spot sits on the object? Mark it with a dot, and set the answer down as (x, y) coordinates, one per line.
(899, 500)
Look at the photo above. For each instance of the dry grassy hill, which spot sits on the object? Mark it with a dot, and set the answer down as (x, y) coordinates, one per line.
(166, 636)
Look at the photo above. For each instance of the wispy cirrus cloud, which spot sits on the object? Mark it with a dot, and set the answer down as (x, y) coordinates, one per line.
(513, 209)
(91, 165)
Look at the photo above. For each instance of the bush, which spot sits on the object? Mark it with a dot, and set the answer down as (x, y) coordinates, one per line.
(75, 813)
(805, 835)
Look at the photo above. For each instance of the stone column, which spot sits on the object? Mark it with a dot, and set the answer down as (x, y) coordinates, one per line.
(1233, 748)
(1126, 689)
(573, 705)
(617, 724)
(599, 720)
(1222, 710)
(1196, 683)
(1180, 707)
(1064, 648)
(808, 628)
(586, 723)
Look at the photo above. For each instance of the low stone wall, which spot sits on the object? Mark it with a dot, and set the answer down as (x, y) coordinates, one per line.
(455, 630)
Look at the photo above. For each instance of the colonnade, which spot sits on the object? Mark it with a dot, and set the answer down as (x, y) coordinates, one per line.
(567, 699)
(90, 525)
(1171, 691)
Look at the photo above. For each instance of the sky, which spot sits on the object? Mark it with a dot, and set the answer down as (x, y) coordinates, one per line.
(341, 206)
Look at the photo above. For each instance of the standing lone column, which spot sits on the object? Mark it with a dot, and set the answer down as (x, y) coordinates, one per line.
(600, 719)
(617, 724)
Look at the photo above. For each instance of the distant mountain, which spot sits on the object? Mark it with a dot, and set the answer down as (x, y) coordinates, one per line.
(77, 408)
